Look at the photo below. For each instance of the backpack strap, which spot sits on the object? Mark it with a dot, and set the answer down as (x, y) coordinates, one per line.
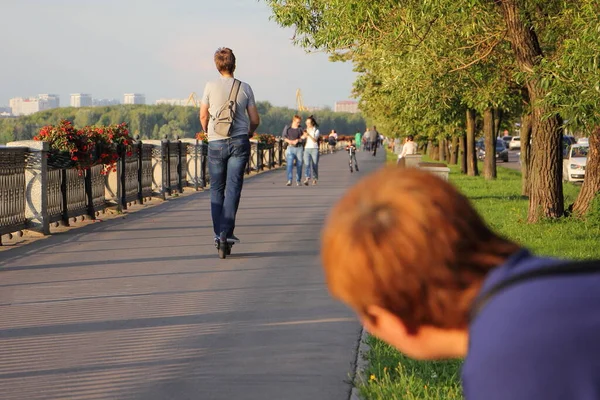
(572, 268)
(232, 97)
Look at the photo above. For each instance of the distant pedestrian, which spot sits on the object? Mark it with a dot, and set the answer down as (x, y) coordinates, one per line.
(372, 139)
(332, 141)
(409, 147)
(358, 140)
(229, 147)
(311, 151)
(292, 135)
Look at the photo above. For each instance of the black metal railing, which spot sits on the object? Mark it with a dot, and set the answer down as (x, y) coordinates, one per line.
(158, 169)
(12, 190)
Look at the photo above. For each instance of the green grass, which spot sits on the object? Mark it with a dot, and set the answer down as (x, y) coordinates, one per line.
(390, 375)
(501, 205)
(390, 156)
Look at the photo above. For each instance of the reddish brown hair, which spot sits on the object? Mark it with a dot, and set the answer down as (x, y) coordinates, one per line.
(409, 242)
(225, 60)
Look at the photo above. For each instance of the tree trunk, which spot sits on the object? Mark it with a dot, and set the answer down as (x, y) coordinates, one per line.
(435, 152)
(498, 116)
(463, 153)
(525, 154)
(443, 149)
(429, 148)
(454, 151)
(546, 198)
(591, 183)
(489, 166)
(472, 169)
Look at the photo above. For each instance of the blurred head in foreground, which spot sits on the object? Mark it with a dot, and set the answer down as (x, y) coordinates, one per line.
(409, 254)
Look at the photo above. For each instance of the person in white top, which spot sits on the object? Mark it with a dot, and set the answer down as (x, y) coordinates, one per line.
(409, 148)
(311, 150)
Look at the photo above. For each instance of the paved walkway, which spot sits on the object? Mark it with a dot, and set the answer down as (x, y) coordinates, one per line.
(142, 308)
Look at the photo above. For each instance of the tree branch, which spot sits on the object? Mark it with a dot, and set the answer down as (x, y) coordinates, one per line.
(487, 53)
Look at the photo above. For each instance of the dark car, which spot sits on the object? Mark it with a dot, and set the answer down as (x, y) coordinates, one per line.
(501, 150)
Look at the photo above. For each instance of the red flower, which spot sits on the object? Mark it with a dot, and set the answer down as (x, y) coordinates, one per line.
(129, 153)
(74, 158)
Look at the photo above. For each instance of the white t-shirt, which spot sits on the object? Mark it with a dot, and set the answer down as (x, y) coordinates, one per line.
(409, 148)
(312, 144)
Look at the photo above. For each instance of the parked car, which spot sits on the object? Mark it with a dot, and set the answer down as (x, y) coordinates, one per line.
(515, 143)
(507, 140)
(583, 140)
(501, 150)
(574, 163)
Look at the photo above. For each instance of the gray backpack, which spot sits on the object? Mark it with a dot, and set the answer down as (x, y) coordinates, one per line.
(223, 119)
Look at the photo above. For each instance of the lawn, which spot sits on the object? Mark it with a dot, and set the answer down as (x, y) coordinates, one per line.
(389, 374)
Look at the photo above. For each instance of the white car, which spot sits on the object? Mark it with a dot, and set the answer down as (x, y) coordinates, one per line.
(575, 162)
(583, 140)
(515, 143)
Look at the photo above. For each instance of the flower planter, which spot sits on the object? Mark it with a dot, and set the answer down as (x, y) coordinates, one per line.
(265, 146)
(60, 160)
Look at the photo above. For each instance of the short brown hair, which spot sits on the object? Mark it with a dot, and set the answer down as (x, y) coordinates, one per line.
(297, 117)
(409, 242)
(225, 60)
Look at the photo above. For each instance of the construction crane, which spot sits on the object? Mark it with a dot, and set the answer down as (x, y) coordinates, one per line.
(193, 100)
(299, 101)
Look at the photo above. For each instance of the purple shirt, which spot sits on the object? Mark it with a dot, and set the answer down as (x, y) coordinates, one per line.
(538, 339)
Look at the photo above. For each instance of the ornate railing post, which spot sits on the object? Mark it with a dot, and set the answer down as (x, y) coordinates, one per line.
(13, 193)
(121, 192)
(36, 184)
(203, 164)
(166, 169)
(194, 165)
(65, 198)
(280, 150)
(88, 193)
(146, 170)
(196, 177)
(179, 165)
(249, 163)
(138, 152)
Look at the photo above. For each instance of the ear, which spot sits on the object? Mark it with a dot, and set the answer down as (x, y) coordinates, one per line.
(391, 329)
(378, 319)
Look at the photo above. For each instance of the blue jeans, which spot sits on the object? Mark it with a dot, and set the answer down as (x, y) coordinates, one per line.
(294, 153)
(227, 161)
(311, 156)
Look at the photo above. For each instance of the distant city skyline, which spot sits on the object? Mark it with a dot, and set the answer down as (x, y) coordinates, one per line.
(88, 100)
(164, 52)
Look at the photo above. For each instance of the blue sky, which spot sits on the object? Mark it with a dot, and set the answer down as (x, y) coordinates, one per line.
(162, 48)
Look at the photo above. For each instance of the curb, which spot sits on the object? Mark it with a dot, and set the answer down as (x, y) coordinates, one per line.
(360, 365)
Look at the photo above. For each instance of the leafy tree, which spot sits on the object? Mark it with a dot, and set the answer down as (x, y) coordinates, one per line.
(404, 53)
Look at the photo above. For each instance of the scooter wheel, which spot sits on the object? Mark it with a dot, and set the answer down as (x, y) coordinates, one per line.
(222, 252)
